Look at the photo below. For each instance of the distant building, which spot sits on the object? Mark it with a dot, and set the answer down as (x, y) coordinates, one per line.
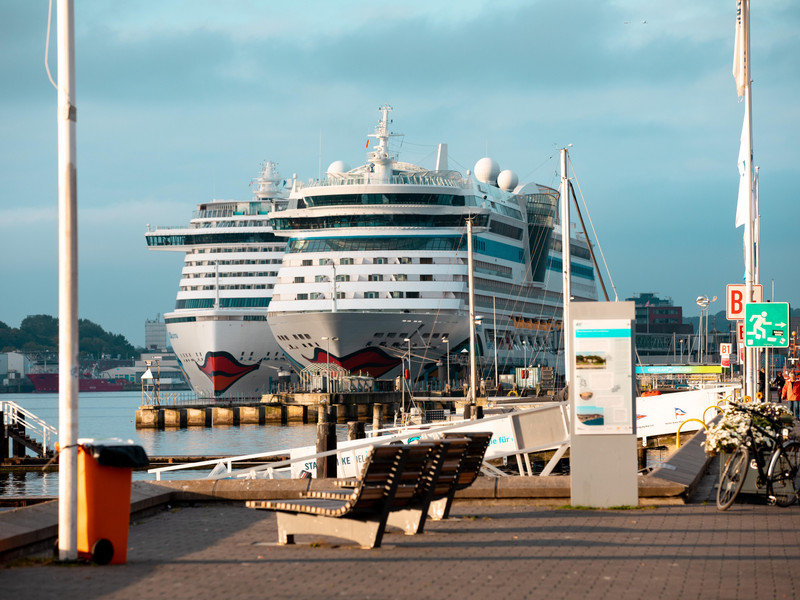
(658, 315)
(661, 334)
(14, 366)
(155, 335)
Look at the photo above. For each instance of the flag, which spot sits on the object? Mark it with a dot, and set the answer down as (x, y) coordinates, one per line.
(679, 412)
(743, 203)
(741, 68)
(367, 146)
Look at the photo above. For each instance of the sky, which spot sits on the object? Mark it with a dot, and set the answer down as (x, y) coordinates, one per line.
(180, 101)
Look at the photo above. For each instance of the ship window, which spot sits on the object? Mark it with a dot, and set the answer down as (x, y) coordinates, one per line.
(343, 278)
(426, 277)
(371, 295)
(426, 260)
(380, 261)
(302, 296)
(412, 294)
(308, 263)
(320, 278)
(391, 335)
(340, 295)
(404, 260)
(395, 294)
(346, 261)
(376, 278)
(376, 335)
(299, 279)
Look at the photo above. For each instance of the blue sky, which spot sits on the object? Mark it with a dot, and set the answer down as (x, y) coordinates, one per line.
(180, 101)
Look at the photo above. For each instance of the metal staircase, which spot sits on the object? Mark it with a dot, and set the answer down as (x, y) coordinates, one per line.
(26, 431)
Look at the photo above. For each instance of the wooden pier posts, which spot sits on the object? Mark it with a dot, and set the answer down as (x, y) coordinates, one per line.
(326, 440)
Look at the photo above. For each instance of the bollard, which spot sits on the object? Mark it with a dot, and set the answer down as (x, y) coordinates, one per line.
(467, 411)
(479, 412)
(355, 430)
(326, 440)
(377, 417)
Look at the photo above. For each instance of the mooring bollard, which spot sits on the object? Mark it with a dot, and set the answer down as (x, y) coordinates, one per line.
(355, 430)
(467, 411)
(377, 417)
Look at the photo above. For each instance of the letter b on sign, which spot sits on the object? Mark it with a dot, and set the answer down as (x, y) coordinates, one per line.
(736, 300)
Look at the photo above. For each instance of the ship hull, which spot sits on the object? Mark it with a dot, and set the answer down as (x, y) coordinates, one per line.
(226, 355)
(48, 383)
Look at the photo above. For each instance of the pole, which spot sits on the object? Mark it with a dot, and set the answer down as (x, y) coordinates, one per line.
(494, 341)
(471, 316)
(565, 260)
(447, 343)
(67, 287)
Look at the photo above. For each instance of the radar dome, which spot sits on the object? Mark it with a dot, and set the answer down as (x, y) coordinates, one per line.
(337, 167)
(507, 180)
(486, 170)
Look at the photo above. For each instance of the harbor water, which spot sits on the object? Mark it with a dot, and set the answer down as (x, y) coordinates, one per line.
(112, 415)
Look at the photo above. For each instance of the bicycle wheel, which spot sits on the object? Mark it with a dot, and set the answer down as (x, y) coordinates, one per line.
(784, 475)
(732, 478)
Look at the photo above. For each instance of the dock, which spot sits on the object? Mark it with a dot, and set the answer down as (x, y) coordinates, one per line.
(284, 408)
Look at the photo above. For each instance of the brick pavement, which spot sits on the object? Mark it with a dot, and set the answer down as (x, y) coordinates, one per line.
(490, 551)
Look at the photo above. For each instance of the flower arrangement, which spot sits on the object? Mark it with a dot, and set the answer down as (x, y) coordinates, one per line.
(728, 433)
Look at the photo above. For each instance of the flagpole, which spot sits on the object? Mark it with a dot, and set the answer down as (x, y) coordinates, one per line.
(68, 366)
(752, 353)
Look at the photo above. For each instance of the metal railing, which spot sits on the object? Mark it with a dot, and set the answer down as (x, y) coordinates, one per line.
(14, 414)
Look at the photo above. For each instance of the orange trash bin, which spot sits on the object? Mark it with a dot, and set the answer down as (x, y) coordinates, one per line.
(104, 497)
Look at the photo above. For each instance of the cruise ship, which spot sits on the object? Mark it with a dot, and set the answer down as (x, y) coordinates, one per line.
(375, 270)
(219, 329)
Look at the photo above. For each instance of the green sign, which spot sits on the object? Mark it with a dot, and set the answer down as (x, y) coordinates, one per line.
(766, 324)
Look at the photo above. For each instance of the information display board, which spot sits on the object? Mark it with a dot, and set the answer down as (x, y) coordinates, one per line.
(603, 401)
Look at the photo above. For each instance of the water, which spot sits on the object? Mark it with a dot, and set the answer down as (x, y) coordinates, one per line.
(113, 414)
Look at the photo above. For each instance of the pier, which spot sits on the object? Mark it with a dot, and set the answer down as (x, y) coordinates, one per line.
(275, 409)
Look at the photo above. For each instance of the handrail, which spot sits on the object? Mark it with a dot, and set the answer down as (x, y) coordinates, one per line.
(223, 467)
(14, 413)
(678, 435)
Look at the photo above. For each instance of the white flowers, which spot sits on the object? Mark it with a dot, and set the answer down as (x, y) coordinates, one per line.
(726, 434)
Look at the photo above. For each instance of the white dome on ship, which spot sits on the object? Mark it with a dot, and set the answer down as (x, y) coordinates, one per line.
(337, 167)
(507, 180)
(486, 170)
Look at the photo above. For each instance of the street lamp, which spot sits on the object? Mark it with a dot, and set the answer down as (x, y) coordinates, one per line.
(702, 302)
(328, 362)
(447, 342)
(525, 359)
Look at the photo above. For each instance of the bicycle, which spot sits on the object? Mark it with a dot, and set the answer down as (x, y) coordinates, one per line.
(779, 474)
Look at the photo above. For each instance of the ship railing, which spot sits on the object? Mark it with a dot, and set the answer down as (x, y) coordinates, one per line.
(548, 431)
(437, 180)
(16, 415)
(189, 399)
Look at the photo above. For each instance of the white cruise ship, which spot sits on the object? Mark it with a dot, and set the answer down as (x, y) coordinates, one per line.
(219, 329)
(375, 268)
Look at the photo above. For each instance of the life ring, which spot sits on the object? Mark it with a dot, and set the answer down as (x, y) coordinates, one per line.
(512, 393)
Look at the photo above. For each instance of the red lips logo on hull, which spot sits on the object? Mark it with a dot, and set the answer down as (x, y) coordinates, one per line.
(223, 370)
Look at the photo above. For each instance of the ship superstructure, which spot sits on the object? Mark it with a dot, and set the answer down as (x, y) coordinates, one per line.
(219, 329)
(375, 269)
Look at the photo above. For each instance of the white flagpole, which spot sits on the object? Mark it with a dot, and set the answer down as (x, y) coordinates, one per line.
(743, 46)
(68, 366)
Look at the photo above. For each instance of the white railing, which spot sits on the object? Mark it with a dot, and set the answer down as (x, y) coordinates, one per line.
(514, 434)
(13, 414)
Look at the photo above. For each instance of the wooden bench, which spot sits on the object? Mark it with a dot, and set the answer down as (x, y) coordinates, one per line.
(389, 481)
(468, 471)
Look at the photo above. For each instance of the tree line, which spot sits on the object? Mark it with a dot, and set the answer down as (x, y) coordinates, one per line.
(39, 333)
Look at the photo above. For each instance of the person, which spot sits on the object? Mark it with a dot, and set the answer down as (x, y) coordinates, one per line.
(779, 383)
(762, 380)
(791, 392)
